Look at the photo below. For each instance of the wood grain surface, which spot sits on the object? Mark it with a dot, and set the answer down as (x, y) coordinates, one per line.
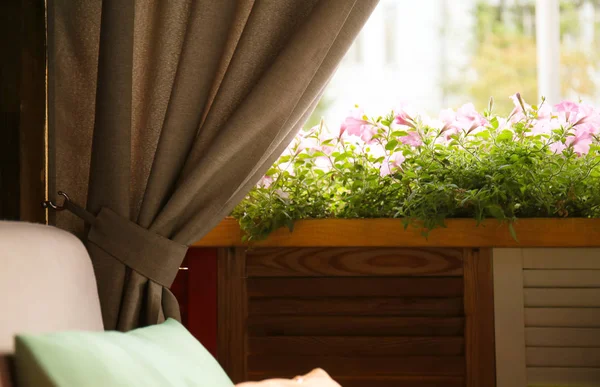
(289, 366)
(357, 346)
(353, 262)
(232, 306)
(479, 318)
(562, 337)
(367, 306)
(355, 287)
(386, 381)
(268, 325)
(533, 232)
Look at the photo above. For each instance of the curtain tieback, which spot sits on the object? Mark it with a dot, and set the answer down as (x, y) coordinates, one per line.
(152, 255)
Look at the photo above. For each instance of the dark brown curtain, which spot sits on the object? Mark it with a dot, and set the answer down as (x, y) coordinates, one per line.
(163, 114)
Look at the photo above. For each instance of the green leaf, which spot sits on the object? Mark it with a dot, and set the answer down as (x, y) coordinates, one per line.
(496, 211)
(505, 135)
(290, 225)
(494, 122)
(512, 231)
(391, 145)
(485, 134)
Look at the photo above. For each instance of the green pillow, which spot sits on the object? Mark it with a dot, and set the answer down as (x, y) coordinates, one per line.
(159, 355)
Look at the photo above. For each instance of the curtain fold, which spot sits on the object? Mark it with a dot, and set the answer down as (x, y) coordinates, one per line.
(165, 113)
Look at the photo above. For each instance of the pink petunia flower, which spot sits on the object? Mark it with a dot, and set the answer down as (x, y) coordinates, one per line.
(468, 119)
(307, 144)
(567, 107)
(581, 142)
(354, 124)
(368, 133)
(327, 149)
(406, 115)
(579, 115)
(448, 117)
(544, 112)
(413, 138)
(391, 162)
(542, 127)
(265, 181)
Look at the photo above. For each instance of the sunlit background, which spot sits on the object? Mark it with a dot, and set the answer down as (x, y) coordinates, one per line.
(436, 54)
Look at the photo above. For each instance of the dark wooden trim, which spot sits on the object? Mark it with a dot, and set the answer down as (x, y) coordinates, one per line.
(22, 109)
(32, 144)
(479, 318)
(232, 312)
(10, 74)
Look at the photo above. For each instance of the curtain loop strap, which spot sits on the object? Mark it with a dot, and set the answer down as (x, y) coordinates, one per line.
(148, 253)
(80, 212)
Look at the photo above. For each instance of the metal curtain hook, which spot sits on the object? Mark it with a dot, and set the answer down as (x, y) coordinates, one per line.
(52, 205)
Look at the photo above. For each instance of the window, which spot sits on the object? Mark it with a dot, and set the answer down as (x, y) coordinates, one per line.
(442, 53)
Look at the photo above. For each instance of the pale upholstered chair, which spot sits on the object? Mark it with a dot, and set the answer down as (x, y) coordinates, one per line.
(46, 284)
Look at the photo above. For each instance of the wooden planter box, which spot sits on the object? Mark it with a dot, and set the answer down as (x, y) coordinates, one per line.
(379, 306)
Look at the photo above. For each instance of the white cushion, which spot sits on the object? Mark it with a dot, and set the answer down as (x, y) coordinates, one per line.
(47, 284)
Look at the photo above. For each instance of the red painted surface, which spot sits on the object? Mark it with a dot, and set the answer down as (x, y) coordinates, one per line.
(196, 291)
(179, 289)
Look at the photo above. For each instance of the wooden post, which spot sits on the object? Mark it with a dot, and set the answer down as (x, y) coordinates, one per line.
(32, 127)
(232, 312)
(479, 318)
(11, 13)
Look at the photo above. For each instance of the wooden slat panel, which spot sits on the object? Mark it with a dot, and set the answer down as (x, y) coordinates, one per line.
(232, 313)
(563, 317)
(479, 316)
(353, 262)
(357, 326)
(390, 381)
(451, 307)
(562, 297)
(355, 287)
(357, 346)
(546, 232)
(561, 258)
(509, 318)
(580, 377)
(563, 357)
(406, 381)
(561, 278)
(289, 366)
(562, 337)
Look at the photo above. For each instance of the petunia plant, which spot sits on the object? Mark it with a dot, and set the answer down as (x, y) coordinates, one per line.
(540, 161)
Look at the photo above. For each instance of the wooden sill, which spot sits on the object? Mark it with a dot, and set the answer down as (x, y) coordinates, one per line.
(534, 232)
